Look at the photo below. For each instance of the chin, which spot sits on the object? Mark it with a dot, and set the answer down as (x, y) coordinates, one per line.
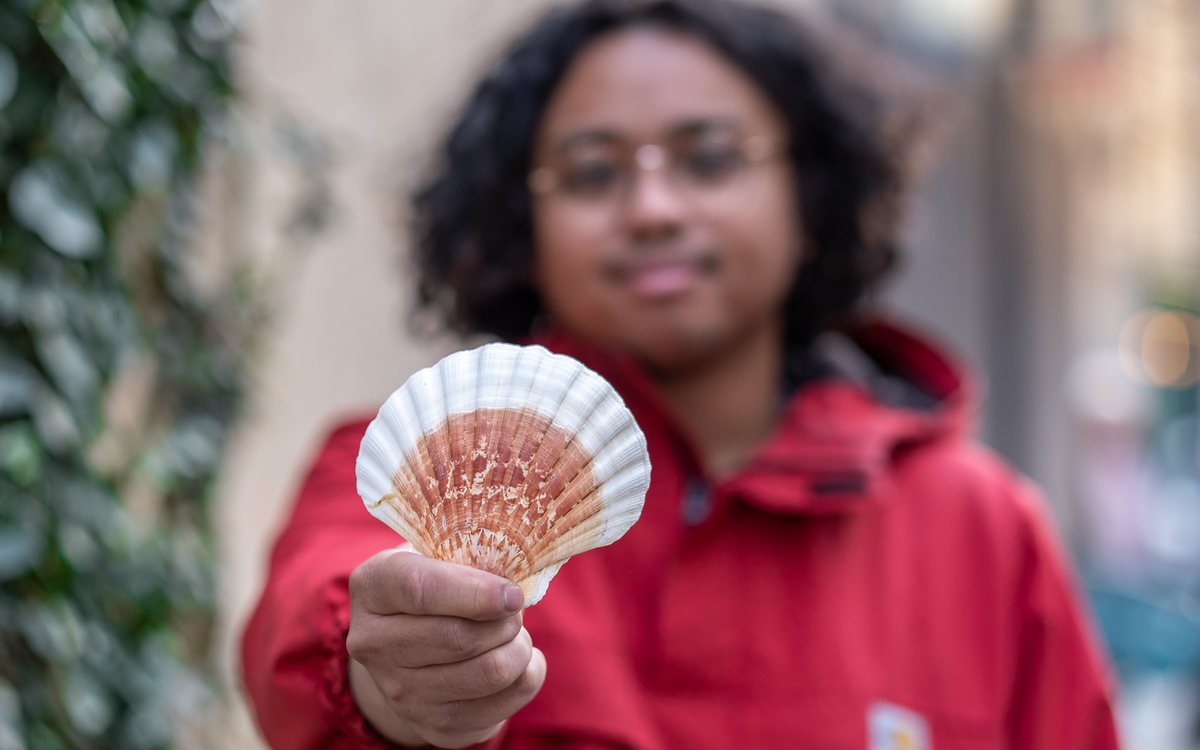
(679, 351)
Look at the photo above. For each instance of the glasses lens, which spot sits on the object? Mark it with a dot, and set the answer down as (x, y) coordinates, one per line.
(710, 163)
(593, 179)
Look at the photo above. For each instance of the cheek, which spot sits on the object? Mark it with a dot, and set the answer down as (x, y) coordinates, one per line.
(770, 238)
(575, 239)
(568, 277)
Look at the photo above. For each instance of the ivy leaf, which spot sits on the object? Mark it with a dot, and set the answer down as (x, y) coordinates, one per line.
(41, 200)
(20, 454)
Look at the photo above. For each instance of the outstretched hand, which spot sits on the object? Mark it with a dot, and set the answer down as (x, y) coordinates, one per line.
(437, 651)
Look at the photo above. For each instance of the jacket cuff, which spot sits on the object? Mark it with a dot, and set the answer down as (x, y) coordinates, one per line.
(348, 722)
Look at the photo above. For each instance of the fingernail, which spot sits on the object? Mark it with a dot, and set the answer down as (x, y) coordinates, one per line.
(514, 597)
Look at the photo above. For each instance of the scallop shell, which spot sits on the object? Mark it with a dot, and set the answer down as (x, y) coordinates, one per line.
(506, 458)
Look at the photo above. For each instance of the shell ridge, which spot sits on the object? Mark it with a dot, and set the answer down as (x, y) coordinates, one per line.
(496, 374)
(547, 386)
(461, 374)
(401, 515)
(454, 382)
(616, 451)
(440, 446)
(398, 427)
(484, 478)
(606, 421)
(564, 386)
(629, 480)
(593, 532)
(524, 493)
(450, 427)
(565, 486)
(513, 425)
(472, 434)
(573, 491)
(500, 382)
(372, 473)
(559, 484)
(524, 418)
(496, 382)
(484, 489)
(409, 489)
(502, 423)
(621, 451)
(429, 489)
(532, 364)
(436, 425)
(628, 491)
(561, 543)
(529, 492)
(372, 482)
(581, 401)
(464, 468)
(408, 517)
(622, 505)
(528, 496)
(380, 448)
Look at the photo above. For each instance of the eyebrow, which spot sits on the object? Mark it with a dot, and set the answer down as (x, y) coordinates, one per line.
(609, 136)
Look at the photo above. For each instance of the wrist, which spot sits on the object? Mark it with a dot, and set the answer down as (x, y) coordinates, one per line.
(345, 717)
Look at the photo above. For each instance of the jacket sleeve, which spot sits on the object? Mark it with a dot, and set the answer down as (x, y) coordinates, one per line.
(294, 648)
(1062, 693)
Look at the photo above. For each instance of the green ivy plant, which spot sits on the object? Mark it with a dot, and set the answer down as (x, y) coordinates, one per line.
(118, 381)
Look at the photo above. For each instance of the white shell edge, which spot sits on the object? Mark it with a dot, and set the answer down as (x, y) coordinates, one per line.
(536, 585)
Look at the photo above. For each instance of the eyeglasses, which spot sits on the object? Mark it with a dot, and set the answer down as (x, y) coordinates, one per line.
(699, 160)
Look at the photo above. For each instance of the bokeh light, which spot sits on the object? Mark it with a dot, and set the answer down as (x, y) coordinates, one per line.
(1162, 348)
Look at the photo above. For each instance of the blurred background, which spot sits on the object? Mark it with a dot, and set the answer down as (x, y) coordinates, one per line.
(265, 149)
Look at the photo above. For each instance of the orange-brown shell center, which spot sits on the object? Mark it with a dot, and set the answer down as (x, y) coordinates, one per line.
(494, 488)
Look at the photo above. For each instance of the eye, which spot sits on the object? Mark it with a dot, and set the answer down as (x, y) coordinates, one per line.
(711, 163)
(592, 178)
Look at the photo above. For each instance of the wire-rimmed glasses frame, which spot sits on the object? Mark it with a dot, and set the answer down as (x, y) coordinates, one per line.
(699, 159)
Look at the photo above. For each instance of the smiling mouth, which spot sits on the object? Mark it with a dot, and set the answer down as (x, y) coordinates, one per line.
(663, 276)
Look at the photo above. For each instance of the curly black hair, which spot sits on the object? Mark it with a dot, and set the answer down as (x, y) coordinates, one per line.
(472, 220)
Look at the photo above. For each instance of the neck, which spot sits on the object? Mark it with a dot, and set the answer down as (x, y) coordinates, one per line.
(729, 404)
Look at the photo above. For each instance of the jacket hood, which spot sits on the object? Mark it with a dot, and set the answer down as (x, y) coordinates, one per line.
(839, 433)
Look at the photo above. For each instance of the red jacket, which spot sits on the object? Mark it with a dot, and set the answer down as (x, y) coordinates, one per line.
(871, 575)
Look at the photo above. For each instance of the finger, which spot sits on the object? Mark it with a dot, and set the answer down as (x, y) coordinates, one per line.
(412, 641)
(449, 722)
(459, 739)
(394, 582)
(478, 677)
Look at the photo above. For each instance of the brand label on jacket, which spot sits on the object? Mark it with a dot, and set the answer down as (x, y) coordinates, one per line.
(890, 727)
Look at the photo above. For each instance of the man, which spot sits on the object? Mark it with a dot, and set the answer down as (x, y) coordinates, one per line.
(679, 195)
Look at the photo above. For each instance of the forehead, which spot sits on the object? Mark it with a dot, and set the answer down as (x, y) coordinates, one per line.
(643, 82)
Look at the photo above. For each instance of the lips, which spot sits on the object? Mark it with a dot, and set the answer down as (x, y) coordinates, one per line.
(663, 276)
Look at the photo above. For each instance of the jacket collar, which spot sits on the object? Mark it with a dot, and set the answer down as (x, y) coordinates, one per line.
(833, 449)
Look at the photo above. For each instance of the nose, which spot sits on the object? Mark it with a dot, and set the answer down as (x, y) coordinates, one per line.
(654, 209)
